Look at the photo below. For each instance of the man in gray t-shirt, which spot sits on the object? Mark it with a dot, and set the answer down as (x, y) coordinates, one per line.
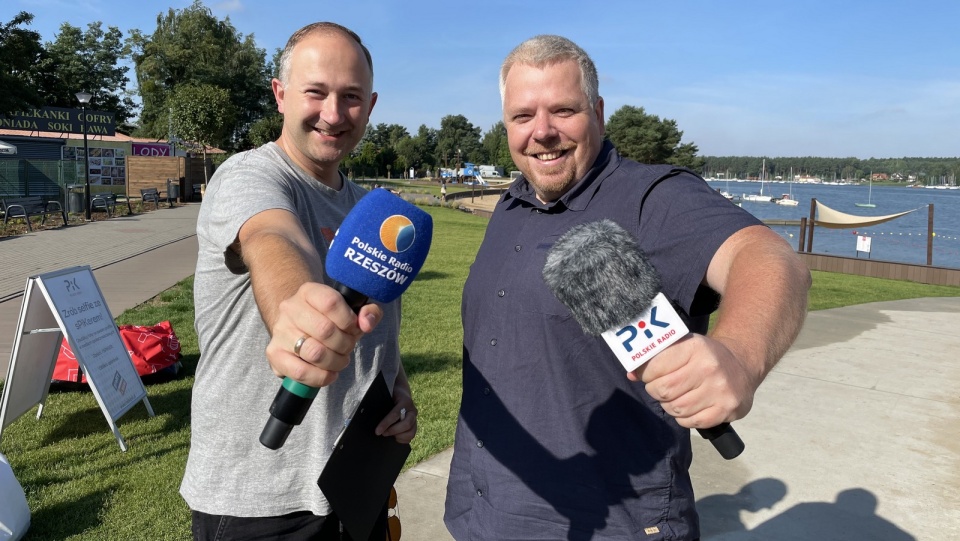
(264, 307)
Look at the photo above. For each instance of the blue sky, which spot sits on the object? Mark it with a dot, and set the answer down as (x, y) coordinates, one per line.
(833, 78)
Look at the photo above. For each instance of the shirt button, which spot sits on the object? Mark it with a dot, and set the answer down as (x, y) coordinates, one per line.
(501, 293)
(480, 444)
(517, 248)
(486, 391)
(493, 342)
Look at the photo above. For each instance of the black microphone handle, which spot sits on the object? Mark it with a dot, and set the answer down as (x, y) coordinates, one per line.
(724, 439)
(355, 299)
(289, 408)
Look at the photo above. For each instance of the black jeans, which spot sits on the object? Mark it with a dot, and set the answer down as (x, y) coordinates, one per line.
(302, 526)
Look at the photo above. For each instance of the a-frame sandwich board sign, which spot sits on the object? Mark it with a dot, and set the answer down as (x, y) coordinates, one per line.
(69, 303)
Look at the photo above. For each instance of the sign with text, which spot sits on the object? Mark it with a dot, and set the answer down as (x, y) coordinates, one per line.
(59, 119)
(150, 149)
(69, 303)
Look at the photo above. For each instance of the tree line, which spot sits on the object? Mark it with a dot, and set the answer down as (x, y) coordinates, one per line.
(904, 170)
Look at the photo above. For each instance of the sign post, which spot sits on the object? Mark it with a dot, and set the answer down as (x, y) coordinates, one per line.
(863, 245)
(68, 303)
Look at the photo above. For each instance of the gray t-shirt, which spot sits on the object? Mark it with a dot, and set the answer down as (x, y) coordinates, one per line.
(228, 471)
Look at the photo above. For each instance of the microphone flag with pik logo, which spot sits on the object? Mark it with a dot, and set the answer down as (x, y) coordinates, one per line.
(377, 252)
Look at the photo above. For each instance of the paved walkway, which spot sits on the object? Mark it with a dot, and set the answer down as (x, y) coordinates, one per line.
(133, 259)
(852, 436)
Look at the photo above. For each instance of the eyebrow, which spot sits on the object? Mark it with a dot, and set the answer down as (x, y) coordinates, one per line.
(326, 86)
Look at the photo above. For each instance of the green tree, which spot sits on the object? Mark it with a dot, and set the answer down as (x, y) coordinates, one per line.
(266, 129)
(191, 46)
(685, 155)
(88, 61)
(367, 159)
(202, 115)
(496, 149)
(20, 52)
(457, 138)
(648, 139)
(386, 136)
(407, 155)
(417, 151)
(386, 139)
(426, 144)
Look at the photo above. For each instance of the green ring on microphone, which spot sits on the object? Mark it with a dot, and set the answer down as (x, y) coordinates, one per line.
(299, 389)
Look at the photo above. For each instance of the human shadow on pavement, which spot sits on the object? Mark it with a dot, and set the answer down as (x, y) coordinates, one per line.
(720, 513)
(852, 516)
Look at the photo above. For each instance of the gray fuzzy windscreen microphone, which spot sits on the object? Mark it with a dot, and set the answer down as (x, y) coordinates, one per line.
(598, 272)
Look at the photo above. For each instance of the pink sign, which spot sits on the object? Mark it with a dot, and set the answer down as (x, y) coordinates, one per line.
(151, 149)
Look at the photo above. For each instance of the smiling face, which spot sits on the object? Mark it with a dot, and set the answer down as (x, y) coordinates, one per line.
(553, 130)
(326, 102)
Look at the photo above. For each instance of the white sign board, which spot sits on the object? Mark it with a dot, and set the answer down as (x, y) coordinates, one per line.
(69, 303)
(863, 243)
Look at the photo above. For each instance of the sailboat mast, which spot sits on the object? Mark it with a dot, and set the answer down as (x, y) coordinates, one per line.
(763, 173)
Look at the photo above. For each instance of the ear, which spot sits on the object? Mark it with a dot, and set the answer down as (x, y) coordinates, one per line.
(373, 101)
(278, 92)
(598, 110)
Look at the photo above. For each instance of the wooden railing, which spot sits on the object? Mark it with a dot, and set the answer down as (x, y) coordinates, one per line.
(923, 274)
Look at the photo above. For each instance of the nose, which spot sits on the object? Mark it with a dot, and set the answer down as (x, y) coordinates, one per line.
(332, 111)
(543, 128)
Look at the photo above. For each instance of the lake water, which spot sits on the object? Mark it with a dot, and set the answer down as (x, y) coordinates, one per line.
(902, 239)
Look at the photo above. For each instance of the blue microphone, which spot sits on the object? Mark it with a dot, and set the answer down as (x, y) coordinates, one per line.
(377, 252)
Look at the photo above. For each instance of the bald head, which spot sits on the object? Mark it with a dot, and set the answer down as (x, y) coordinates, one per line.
(319, 29)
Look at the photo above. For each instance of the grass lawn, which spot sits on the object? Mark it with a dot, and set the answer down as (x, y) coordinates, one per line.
(81, 486)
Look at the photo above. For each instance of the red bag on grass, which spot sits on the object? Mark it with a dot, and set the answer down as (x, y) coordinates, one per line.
(152, 349)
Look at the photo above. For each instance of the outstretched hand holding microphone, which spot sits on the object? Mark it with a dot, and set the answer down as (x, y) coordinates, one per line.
(377, 252)
(598, 272)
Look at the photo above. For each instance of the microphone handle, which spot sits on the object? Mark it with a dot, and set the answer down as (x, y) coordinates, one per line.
(293, 399)
(724, 439)
(355, 299)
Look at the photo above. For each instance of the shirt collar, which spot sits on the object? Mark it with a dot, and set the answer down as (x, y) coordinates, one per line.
(581, 193)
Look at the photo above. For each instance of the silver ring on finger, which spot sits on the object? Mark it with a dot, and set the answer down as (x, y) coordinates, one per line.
(299, 344)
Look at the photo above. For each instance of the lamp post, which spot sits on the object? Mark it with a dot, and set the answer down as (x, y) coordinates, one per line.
(84, 99)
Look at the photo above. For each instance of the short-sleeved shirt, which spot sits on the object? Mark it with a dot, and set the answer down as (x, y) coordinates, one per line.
(552, 437)
(228, 471)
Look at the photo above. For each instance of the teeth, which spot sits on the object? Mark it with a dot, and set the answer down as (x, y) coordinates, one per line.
(549, 156)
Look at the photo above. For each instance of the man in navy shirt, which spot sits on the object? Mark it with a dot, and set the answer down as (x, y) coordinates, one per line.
(554, 440)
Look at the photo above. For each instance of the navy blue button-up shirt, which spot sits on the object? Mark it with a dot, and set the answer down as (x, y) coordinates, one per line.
(553, 442)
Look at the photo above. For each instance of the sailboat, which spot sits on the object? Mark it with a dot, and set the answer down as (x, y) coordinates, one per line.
(868, 204)
(759, 198)
(787, 198)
